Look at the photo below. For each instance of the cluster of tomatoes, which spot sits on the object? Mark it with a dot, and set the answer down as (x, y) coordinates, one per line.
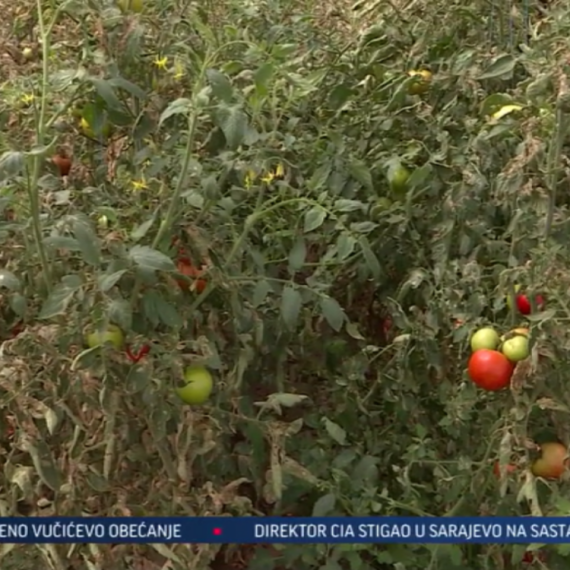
(494, 357)
(197, 385)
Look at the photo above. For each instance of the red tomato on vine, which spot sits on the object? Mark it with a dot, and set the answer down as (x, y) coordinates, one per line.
(490, 369)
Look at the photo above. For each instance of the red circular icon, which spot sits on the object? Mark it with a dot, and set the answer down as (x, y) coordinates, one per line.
(217, 531)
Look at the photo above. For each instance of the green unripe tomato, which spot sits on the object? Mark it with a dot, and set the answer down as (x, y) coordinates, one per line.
(87, 129)
(379, 207)
(131, 6)
(485, 338)
(398, 176)
(113, 335)
(516, 348)
(198, 386)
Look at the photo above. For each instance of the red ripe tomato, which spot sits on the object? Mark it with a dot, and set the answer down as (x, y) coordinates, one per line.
(185, 268)
(530, 557)
(523, 304)
(490, 369)
(509, 468)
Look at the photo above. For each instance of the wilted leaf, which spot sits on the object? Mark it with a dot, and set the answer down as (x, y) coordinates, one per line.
(52, 420)
(44, 464)
(276, 401)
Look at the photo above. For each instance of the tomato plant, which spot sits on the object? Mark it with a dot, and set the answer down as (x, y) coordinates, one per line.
(490, 369)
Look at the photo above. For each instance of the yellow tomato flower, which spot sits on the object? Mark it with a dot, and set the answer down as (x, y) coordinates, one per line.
(139, 185)
(178, 71)
(249, 179)
(160, 62)
(28, 98)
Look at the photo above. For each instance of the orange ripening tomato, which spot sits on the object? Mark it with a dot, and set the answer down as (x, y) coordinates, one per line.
(184, 267)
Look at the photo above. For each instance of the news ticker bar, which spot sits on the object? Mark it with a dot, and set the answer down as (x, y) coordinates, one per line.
(257, 530)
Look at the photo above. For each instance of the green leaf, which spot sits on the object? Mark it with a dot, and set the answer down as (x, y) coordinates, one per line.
(108, 281)
(314, 219)
(335, 431)
(234, 124)
(152, 259)
(142, 229)
(371, 259)
(150, 307)
(169, 314)
(291, 303)
(60, 297)
(11, 164)
(420, 175)
(262, 77)
(297, 255)
(19, 304)
(260, 292)
(349, 206)
(345, 244)
(320, 177)
(42, 150)
(178, 107)
(500, 67)
(120, 312)
(107, 93)
(333, 313)
(127, 86)
(324, 505)
(361, 173)
(221, 86)
(88, 242)
(9, 280)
